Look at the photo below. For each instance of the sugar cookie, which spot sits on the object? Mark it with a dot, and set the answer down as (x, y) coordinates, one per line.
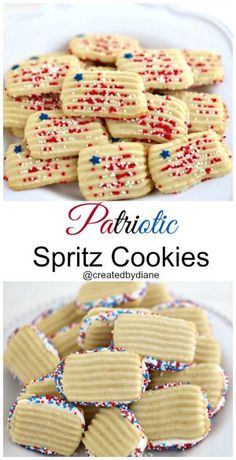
(23, 172)
(159, 68)
(46, 425)
(116, 171)
(40, 386)
(103, 94)
(208, 350)
(39, 76)
(173, 417)
(115, 433)
(166, 343)
(101, 47)
(157, 293)
(65, 340)
(51, 134)
(53, 320)
(30, 354)
(186, 161)
(206, 66)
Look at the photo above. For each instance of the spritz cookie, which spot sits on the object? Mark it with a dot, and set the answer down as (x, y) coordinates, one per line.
(188, 311)
(17, 132)
(186, 161)
(110, 294)
(207, 111)
(159, 68)
(101, 47)
(166, 119)
(209, 377)
(116, 171)
(206, 66)
(39, 76)
(46, 425)
(208, 350)
(53, 320)
(103, 94)
(115, 432)
(166, 343)
(66, 340)
(51, 134)
(16, 110)
(40, 386)
(23, 172)
(30, 354)
(157, 293)
(102, 378)
(173, 417)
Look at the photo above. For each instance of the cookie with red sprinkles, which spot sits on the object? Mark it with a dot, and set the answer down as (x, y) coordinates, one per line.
(206, 66)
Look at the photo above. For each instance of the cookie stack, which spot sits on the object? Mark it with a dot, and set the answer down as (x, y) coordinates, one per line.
(124, 367)
(118, 118)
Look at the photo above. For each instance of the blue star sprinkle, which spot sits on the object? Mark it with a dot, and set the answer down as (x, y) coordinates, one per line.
(80, 35)
(95, 160)
(17, 149)
(128, 55)
(14, 67)
(43, 116)
(115, 139)
(165, 154)
(78, 76)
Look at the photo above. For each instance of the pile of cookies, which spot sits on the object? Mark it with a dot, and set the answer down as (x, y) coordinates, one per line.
(117, 118)
(124, 367)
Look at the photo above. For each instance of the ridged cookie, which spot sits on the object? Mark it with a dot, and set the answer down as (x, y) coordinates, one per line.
(53, 320)
(166, 343)
(40, 386)
(29, 354)
(103, 377)
(208, 350)
(167, 118)
(174, 417)
(188, 160)
(116, 171)
(159, 68)
(103, 94)
(115, 433)
(51, 134)
(101, 47)
(46, 425)
(206, 66)
(66, 339)
(157, 293)
(39, 76)
(22, 172)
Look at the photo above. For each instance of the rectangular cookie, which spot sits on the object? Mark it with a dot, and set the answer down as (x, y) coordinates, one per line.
(206, 66)
(23, 172)
(51, 134)
(103, 94)
(208, 350)
(188, 160)
(53, 320)
(116, 171)
(39, 76)
(157, 293)
(167, 118)
(66, 340)
(41, 385)
(159, 68)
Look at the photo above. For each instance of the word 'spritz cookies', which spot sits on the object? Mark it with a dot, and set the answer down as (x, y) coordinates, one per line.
(16, 110)
(188, 160)
(209, 377)
(159, 68)
(52, 134)
(174, 417)
(207, 111)
(46, 425)
(103, 94)
(206, 66)
(157, 293)
(40, 386)
(115, 377)
(187, 311)
(29, 354)
(166, 343)
(100, 47)
(208, 350)
(166, 119)
(115, 433)
(23, 172)
(114, 172)
(53, 320)
(97, 294)
(39, 76)
(65, 340)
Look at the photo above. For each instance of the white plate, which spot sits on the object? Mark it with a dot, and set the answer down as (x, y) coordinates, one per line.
(49, 27)
(219, 441)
